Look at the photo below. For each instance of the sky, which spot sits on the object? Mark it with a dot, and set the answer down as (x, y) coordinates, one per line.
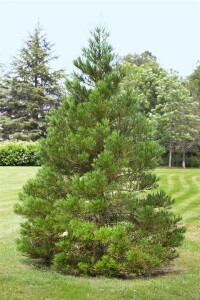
(168, 28)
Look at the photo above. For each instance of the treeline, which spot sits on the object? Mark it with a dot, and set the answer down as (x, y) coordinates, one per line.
(32, 88)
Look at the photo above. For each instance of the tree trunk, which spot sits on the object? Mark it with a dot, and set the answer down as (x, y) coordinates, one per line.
(183, 159)
(170, 155)
(36, 81)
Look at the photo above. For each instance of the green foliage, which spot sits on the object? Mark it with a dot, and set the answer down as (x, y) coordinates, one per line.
(194, 83)
(145, 238)
(165, 99)
(31, 89)
(18, 154)
(176, 115)
(139, 59)
(193, 161)
(144, 79)
(86, 211)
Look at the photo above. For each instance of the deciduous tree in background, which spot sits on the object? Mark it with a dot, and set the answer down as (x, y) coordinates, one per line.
(193, 84)
(176, 116)
(140, 59)
(144, 79)
(165, 100)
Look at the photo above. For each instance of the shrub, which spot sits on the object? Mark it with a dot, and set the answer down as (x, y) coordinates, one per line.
(193, 162)
(18, 154)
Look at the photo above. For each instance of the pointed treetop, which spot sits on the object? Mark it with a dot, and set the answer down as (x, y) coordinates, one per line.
(98, 59)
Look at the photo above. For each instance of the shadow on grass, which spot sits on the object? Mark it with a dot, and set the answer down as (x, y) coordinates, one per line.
(44, 266)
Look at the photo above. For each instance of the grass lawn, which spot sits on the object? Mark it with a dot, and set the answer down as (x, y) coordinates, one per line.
(19, 279)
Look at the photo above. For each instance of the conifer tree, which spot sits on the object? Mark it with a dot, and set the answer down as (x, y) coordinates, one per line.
(84, 215)
(32, 89)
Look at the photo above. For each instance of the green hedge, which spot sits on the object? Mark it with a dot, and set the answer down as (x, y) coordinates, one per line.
(18, 154)
(193, 161)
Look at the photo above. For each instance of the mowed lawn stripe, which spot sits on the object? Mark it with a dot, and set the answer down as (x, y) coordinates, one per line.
(11, 179)
(20, 279)
(184, 186)
(187, 203)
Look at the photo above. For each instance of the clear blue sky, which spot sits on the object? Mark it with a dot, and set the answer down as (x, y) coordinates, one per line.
(169, 29)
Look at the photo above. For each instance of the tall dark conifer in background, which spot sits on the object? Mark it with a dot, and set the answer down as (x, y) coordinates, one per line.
(33, 88)
(83, 211)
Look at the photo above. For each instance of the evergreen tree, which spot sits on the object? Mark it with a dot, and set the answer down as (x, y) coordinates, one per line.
(82, 209)
(32, 89)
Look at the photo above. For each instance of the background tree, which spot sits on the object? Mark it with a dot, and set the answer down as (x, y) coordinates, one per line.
(32, 89)
(140, 59)
(144, 79)
(176, 116)
(82, 210)
(193, 84)
(2, 81)
(165, 100)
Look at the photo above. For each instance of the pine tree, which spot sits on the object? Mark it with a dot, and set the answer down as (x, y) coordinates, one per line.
(33, 88)
(82, 209)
